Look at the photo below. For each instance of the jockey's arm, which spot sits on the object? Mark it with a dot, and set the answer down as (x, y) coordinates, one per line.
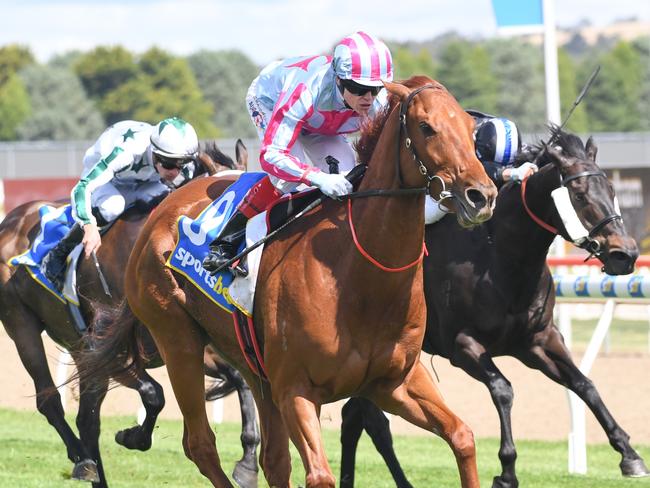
(275, 154)
(101, 173)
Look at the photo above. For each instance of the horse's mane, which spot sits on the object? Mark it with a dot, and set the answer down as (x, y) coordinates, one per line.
(210, 148)
(370, 131)
(570, 143)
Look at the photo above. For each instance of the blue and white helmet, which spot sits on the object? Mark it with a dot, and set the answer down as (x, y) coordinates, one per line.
(497, 140)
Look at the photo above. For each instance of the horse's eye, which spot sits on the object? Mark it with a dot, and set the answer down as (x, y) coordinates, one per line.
(426, 129)
(579, 196)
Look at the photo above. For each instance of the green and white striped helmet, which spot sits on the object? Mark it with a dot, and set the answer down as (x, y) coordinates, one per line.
(174, 138)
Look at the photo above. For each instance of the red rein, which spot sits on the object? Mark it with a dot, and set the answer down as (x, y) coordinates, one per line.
(372, 260)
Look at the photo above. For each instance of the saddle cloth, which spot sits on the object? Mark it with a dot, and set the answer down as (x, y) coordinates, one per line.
(55, 222)
(195, 236)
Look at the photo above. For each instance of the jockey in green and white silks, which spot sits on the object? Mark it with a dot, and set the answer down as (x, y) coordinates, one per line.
(130, 161)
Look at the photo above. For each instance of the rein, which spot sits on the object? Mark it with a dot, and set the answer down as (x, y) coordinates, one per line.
(588, 243)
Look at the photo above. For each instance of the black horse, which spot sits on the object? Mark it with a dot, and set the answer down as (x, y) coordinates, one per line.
(26, 310)
(489, 292)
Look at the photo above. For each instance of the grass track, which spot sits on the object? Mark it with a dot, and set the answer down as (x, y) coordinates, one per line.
(32, 456)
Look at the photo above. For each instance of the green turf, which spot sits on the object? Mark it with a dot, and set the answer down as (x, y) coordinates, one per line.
(34, 457)
(625, 336)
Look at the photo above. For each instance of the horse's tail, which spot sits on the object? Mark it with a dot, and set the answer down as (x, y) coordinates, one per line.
(115, 346)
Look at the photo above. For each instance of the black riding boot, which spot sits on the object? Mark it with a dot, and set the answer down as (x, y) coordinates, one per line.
(224, 247)
(54, 262)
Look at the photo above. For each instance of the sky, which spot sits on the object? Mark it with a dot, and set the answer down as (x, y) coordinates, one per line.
(263, 29)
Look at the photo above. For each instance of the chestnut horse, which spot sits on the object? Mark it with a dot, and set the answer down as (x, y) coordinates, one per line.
(489, 292)
(334, 321)
(27, 310)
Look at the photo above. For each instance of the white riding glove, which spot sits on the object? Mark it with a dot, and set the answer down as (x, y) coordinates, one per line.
(331, 185)
(521, 172)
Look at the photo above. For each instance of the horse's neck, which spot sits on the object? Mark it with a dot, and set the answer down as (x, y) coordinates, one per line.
(521, 242)
(390, 227)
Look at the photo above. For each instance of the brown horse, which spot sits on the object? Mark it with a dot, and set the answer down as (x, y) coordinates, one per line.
(318, 292)
(26, 310)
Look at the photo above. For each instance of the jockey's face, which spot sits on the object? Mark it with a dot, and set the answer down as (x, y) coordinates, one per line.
(359, 97)
(168, 168)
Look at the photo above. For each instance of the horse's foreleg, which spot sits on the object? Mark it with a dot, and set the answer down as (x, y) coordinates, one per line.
(181, 346)
(301, 416)
(27, 336)
(153, 400)
(554, 360)
(471, 356)
(88, 424)
(351, 430)
(274, 457)
(418, 401)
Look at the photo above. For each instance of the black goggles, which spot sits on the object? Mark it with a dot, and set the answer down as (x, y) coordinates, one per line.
(171, 163)
(360, 90)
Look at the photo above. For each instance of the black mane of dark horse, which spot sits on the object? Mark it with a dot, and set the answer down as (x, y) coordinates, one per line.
(489, 292)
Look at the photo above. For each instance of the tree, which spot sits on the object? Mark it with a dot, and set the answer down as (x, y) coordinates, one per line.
(60, 108)
(406, 63)
(465, 70)
(164, 87)
(518, 70)
(14, 106)
(224, 78)
(613, 104)
(642, 47)
(105, 69)
(13, 58)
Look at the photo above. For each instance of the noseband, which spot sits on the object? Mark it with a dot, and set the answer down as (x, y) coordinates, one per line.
(588, 243)
(403, 129)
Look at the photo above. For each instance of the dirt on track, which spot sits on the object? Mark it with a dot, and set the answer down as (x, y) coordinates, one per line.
(540, 408)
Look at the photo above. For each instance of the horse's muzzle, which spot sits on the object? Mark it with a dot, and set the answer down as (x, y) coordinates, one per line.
(619, 262)
(475, 206)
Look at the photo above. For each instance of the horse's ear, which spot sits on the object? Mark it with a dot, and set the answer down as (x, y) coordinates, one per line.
(241, 155)
(556, 155)
(397, 89)
(591, 149)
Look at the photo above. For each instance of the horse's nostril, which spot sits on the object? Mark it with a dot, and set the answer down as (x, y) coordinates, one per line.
(476, 198)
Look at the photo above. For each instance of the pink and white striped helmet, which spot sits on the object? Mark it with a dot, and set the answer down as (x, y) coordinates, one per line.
(364, 59)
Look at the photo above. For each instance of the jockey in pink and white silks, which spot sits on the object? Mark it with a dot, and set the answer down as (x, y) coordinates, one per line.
(130, 161)
(303, 109)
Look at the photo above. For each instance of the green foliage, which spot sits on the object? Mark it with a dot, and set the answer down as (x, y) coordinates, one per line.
(105, 69)
(464, 69)
(14, 106)
(60, 108)
(163, 87)
(224, 78)
(613, 103)
(13, 58)
(407, 63)
(518, 70)
(642, 47)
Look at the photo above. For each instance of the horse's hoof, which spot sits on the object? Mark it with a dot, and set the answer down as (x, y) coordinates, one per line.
(85, 470)
(133, 439)
(634, 468)
(501, 482)
(245, 477)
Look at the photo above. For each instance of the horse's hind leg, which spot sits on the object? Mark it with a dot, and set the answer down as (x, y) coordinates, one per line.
(245, 473)
(378, 428)
(418, 401)
(181, 346)
(351, 430)
(153, 399)
(25, 330)
(554, 360)
(88, 424)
